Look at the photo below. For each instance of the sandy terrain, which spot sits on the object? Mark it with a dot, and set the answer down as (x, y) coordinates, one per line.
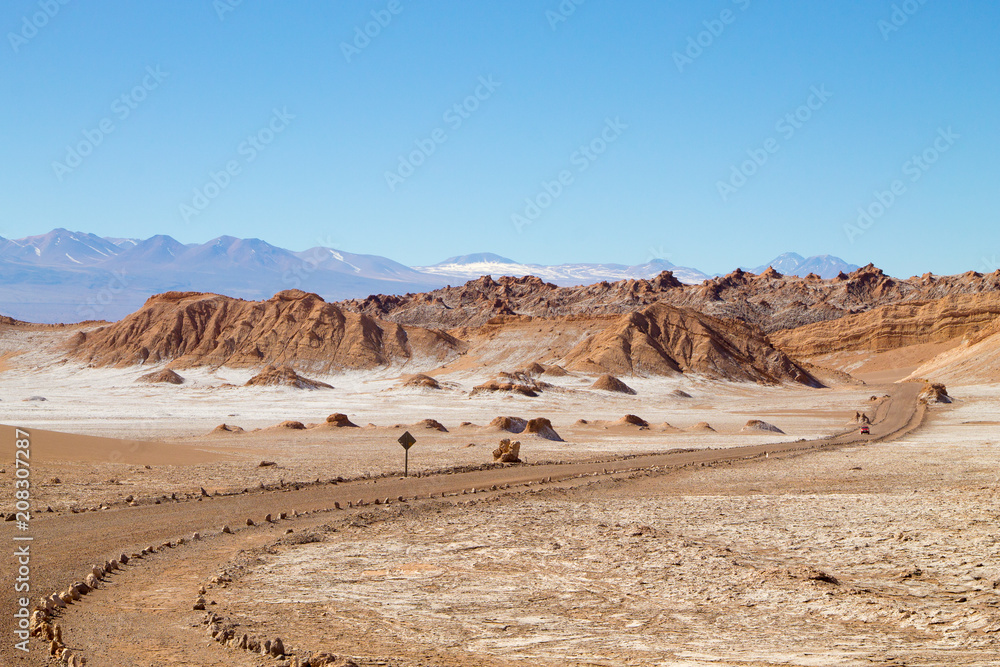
(875, 554)
(706, 566)
(158, 439)
(614, 545)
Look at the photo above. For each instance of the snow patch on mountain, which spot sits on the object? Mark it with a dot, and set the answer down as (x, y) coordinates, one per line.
(469, 267)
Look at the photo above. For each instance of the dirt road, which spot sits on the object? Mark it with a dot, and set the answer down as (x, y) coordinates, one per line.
(65, 546)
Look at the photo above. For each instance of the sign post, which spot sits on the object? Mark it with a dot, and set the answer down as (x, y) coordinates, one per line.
(407, 441)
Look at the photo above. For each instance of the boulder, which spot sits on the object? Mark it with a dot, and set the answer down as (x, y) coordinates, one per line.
(431, 424)
(340, 420)
(758, 426)
(534, 368)
(291, 425)
(608, 382)
(166, 376)
(284, 376)
(702, 427)
(634, 420)
(421, 381)
(510, 424)
(934, 393)
(507, 452)
(543, 428)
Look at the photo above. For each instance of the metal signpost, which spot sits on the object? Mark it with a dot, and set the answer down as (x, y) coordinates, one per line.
(407, 441)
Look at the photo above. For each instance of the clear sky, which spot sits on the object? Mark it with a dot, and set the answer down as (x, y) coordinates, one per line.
(116, 115)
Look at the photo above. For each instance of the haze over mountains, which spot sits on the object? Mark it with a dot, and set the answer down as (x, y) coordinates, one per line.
(66, 276)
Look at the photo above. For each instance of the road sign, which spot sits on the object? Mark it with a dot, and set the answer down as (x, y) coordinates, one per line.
(407, 441)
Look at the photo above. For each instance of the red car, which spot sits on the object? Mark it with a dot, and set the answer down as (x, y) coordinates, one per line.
(865, 430)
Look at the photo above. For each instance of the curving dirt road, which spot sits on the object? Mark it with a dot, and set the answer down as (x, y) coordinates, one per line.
(148, 605)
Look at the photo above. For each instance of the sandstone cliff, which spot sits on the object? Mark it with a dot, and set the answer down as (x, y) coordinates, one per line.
(894, 326)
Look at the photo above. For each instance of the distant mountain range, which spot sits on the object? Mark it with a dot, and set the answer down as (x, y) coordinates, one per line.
(66, 276)
(793, 264)
(470, 267)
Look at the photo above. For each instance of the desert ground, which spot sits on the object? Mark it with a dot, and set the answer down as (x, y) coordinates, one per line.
(694, 519)
(763, 553)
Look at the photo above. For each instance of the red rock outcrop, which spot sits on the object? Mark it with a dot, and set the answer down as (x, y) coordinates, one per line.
(195, 329)
(771, 301)
(894, 326)
(663, 340)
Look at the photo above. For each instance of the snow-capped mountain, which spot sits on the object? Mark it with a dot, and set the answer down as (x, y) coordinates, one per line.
(59, 248)
(794, 264)
(469, 267)
(66, 276)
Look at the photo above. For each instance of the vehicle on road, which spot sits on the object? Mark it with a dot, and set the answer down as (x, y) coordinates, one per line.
(865, 430)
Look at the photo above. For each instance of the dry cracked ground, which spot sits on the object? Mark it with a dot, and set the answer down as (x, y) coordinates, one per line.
(877, 554)
(874, 555)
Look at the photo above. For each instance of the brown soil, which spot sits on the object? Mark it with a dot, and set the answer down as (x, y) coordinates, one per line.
(143, 616)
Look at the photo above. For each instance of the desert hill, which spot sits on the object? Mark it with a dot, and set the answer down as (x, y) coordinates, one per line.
(741, 327)
(663, 340)
(297, 329)
(894, 326)
(478, 301)
(975, 360)
(769, 300)
(194, 329)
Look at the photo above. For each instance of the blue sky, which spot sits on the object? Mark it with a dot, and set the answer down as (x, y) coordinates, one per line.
(310, 129)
